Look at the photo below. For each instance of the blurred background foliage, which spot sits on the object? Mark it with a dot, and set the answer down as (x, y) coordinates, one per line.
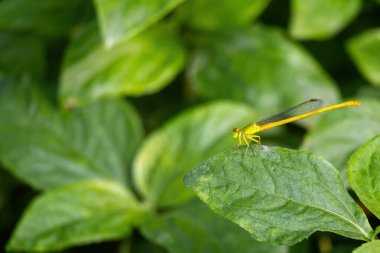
(106, 104)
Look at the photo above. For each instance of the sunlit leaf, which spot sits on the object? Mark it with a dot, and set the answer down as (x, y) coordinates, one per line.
(320, 19)
(365, 51)
(122, 19)
(142, 65)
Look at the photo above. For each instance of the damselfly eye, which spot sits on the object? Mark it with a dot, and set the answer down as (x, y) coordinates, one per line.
(235, 132)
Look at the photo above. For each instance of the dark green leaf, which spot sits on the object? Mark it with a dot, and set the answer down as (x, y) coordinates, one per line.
(320, 19)
(280, 196)
(45, 17)
(302, 247)
(185, 141)
(336, 247)
(142, 65)
(259, 66)
(206, 15)
(122, 19)
(338, 133)
(365, 51)
(80, 213)
(46, 148)
(21, 54)
(370, 247)
(194, 228)
(13, 197)
(363, 174)
(141, 246)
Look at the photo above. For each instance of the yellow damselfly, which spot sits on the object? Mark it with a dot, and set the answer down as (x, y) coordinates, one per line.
(303, 110)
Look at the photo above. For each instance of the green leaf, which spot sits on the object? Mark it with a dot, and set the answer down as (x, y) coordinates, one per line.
(45, 148)
(226, 15)
(21, 54)
(123, 19)
(81, 213)
(364, 49)
(339, 133)
(320, 19)
(194, 228)
(376, 233)
(369, 247)
(142, 65)
(363, 174)
(185, 141)
(280, 196)
(249, 65)
(44, 17)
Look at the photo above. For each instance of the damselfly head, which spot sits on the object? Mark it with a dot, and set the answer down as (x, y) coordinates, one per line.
(235, 132)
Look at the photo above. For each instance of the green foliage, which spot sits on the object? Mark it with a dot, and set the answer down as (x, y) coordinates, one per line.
(319, 19)
(51, 18)
(277, 194)
(47, 148)
(208, 16)
(29, 60)
(338, 133)
(156, 53)
(365, 51)
(258, 60)
(184, 142)
(194, 221)
(78, 208)
(370, 247)
(75, 214)
(363, 174)
(123, 19)
(76, 168)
